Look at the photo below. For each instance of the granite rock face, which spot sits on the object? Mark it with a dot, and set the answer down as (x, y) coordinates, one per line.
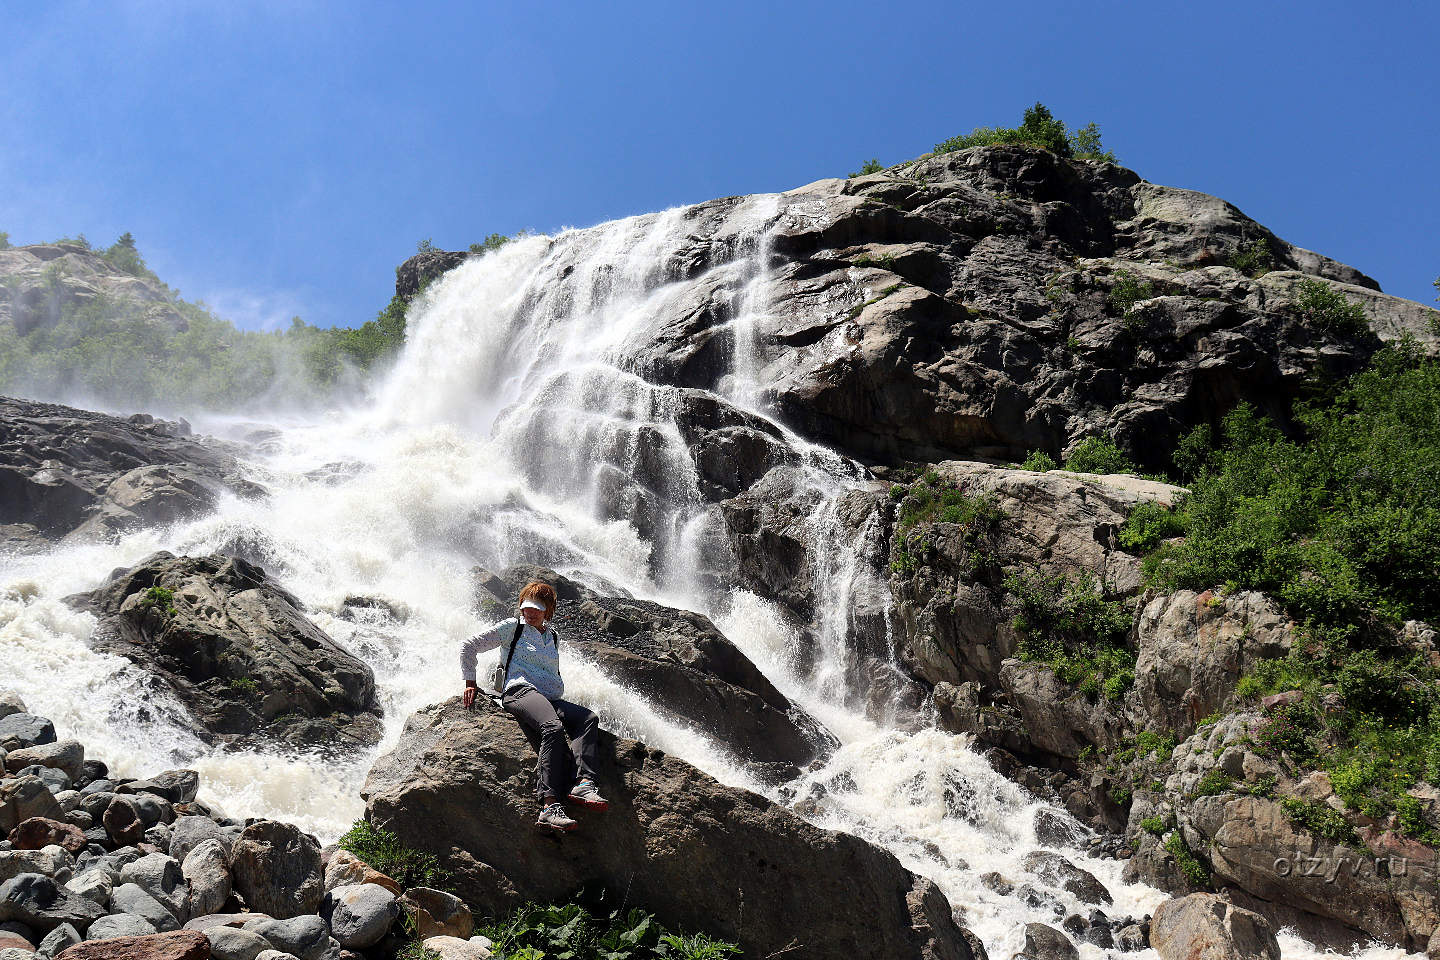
(238, 651)
(689, 848)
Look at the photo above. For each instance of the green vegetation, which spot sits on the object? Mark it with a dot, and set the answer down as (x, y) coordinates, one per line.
(1128, 291)
(1195, 871)
(1321, 306)
(383, 850)
(932, 499)
(1155, 825)
(159, 598)
(414, 950)
(493, 242)
(1148, 525)
(1098, 455)
(139, 353)
(1070, 626)
(1161, 745)
(1039, 461)
(1341, 524)
(571, 932)
(244, 685)
(1039, 128)
(873, 165)
(4, 240)
(1254, 259)
(1213, 783)
(1318, 819)
(855, 310)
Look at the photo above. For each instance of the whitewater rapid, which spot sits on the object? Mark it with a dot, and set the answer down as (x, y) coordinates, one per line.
(503, 436)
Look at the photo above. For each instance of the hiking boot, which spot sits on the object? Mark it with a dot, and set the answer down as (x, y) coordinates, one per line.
(587, 795)
(554, 817)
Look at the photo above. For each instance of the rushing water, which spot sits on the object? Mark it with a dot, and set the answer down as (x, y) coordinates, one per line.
(517, 427)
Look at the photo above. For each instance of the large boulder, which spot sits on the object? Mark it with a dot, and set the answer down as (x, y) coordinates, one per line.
(180, 945)
(682, 665)
(277, 869)
(1204, 927)
(40, 903)
(22, 798)
(68, 472)
(237, 649)
(701, 855)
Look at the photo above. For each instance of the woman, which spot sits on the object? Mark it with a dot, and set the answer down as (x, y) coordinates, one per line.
(531, 691)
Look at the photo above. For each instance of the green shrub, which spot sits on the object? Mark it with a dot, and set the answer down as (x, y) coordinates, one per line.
(1070, 627)
(572, 931)
(1039, 128)
(1195, 871)
(1318, 819)
(1127, 291)
(873, 165)
(159, 598)
(1148, 742)
(1148, 524)
(1098, 455)
(245, 685)
(1214, 782)
(1254, 259)
(1321, 306)
(932, 499)
(1155, 825)
(383, 850)
(4, 240)
(493, 242)
(1039, 461)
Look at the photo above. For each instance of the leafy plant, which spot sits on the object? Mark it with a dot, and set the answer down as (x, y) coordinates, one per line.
(873, 165)
(414, 950)
(932, 499)
(383, 850)
(1155, 825)
(572, 932)
(244, 685)
(1039, 461)
(159, 598)
(1212, 783)
(1127, 291)
(1148, 524)
(1318, 819)
(1039, 128)
(1195, 871)
(1321, 306)
(1098, 455)
(493, 242)
(1254, 259)
(1070, 626)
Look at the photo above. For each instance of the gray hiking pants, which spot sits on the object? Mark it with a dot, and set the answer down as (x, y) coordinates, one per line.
(547, 723)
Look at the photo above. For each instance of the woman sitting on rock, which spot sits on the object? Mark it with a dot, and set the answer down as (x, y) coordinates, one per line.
(531, 689)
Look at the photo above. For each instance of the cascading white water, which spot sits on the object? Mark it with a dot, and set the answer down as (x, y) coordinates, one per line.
(517, 427)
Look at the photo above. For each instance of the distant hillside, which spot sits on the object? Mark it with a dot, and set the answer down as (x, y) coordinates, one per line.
(99, 327)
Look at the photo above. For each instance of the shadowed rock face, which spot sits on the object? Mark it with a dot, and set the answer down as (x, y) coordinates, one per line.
(237, 650)
(68, 473)
(701, 855)
(681, 663)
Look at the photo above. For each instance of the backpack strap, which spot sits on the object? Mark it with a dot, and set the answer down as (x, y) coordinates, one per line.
(514, 641)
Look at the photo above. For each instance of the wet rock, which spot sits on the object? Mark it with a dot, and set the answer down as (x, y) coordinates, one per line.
(1046, 943)
(38, 832)
(276, 868)
(38, 902)
(1055, 869)
(998, 883)
(1054, 830)
(360, 914)
(687, 844)
(434, 913)
(237, 650)
(1204, 927)
(180, 945)
(1132, 938)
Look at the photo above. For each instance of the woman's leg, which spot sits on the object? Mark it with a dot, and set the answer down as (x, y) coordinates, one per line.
(584, 730)
(552, 766)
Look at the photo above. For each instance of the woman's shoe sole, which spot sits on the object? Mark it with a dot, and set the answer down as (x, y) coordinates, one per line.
(550, 827)
(597, 805)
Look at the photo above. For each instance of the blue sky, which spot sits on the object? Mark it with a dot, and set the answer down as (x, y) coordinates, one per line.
(281, 158)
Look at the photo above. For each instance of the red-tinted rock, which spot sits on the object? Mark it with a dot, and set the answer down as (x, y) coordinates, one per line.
(180, 945)
(123, 823)
(38, 832)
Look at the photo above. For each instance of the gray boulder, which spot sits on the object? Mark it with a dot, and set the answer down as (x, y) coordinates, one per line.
(228, 943)
(121, 925)
(10, 702)
(22, 798)
(238, 651)
(360, 914)
(1057, 871)
(1044, 942)
(187, 833)
(277, 869)
(49, 861)
(93, 884)
(19, 731)
(39, 902)
(161, 877)
(59, 939)
(207, 876)
(690, 848)
(1204, 927)
(66, 755)
(132, 898)
(307, 937)
(175, 786)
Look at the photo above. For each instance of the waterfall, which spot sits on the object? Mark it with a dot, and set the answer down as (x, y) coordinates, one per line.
(537, 414)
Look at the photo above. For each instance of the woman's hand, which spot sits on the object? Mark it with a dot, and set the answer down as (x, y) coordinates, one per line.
(469, 698)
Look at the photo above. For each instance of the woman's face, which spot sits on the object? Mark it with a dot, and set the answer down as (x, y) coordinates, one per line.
(536, 618)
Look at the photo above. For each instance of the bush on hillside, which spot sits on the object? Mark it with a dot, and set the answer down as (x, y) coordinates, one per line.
(1039, 128)
(1098, 455)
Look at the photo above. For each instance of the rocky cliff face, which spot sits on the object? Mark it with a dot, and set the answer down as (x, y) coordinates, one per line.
(39, 281)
